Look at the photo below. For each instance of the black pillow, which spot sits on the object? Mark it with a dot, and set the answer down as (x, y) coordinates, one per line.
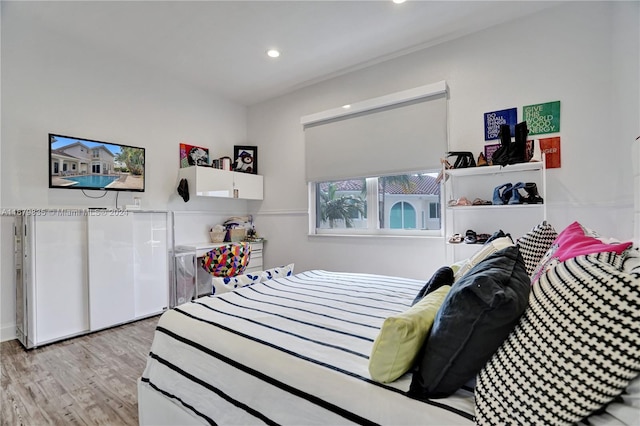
(478, 314)
(443, 276)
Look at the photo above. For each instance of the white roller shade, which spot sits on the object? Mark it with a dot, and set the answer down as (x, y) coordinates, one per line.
(390, 135)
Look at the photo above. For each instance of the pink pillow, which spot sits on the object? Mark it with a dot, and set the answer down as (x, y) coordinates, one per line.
(573, 241)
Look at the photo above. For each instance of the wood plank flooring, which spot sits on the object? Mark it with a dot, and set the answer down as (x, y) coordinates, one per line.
(88, 380)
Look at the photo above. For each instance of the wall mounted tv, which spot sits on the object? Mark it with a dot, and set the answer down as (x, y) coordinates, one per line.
(76, 163)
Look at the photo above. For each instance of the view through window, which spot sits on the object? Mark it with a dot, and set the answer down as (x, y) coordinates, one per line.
(398, 203)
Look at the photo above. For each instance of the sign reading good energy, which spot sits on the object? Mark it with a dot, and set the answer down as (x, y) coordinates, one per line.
(542, 118)
(493, 121)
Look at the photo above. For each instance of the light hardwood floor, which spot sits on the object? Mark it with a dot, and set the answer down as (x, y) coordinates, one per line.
(88, 380)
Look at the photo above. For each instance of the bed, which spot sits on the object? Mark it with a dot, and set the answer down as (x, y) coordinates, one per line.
(291, 350)
(549, 326)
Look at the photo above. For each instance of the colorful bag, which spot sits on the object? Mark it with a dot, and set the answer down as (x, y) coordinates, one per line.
(227, 260)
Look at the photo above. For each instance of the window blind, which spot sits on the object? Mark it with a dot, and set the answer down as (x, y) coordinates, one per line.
(391, 135)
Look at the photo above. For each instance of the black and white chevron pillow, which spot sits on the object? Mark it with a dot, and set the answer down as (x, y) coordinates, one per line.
(575, 349)
(534, 245)
(631, 262)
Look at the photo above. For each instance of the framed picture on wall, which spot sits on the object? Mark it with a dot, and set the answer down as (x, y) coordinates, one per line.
(245, 159)
(191, 155)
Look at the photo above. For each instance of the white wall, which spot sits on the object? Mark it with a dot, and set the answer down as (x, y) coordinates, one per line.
(54, 84)
(583, 54)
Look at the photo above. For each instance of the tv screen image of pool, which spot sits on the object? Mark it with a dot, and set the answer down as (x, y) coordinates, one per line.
(77, 163)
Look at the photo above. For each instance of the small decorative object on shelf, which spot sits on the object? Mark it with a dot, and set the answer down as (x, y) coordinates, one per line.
(252, 235)
(237, 234)
(245, 159)
(217, 234)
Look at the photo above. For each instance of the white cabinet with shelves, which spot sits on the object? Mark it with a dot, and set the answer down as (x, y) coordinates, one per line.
(210, 182)
(480, 182)
(83, 272)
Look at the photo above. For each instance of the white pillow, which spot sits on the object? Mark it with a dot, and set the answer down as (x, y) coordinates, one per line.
(225, 284)
(280, 271)
(486, 251)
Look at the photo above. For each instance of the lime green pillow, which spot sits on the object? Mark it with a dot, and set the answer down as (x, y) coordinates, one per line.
(402, 336)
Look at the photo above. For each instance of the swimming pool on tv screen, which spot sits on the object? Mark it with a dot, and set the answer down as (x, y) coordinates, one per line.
(93, 181)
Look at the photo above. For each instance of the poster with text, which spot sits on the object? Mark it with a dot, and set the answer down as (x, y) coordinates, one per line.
(542, 118)
(489, 150)
(550, 148)
(493, 121)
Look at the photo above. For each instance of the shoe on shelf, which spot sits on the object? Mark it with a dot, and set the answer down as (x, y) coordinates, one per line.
(499, 194)
(498, 234)
(462, 201)
(515, 194)
(470, 237)
(482, 160)
(455, 239)
(481, 202)
(463, 160)
(482, 238)
(446, 166)
(532, 196)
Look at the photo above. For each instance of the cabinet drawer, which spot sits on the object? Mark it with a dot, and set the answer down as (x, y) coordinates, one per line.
(255, 255)
(256, 247)
(255, 261)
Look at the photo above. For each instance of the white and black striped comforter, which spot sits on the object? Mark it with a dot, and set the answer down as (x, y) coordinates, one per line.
(291, 351)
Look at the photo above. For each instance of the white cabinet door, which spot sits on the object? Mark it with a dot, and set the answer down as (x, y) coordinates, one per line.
(213, 182)
(111, 299)
(248, 186)
(58, 276)
(150, 268)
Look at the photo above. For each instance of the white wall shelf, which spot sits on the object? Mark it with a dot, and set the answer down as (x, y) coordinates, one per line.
(480, 182)
(210, 182)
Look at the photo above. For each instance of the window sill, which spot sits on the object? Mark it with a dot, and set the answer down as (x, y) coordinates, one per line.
(381, 235)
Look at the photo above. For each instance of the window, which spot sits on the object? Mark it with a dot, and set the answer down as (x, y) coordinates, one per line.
(434, 210)
(378, 205)
(341, 204)
(402, 216)
(370, 187)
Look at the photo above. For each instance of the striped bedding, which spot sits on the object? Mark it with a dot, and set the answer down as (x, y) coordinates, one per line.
(291, 351)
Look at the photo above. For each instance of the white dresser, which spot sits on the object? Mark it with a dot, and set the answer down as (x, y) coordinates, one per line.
(78, 271)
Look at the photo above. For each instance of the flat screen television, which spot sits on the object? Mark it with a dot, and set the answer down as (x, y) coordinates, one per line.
(77, 163)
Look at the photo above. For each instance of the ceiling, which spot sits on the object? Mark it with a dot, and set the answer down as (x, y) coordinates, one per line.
(220, 45)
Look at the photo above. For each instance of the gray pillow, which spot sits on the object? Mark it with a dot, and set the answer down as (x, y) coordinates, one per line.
(480, 311)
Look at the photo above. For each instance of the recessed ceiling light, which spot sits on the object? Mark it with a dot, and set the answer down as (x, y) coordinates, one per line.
(273, 53)
(346, 106)
(399, 1)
